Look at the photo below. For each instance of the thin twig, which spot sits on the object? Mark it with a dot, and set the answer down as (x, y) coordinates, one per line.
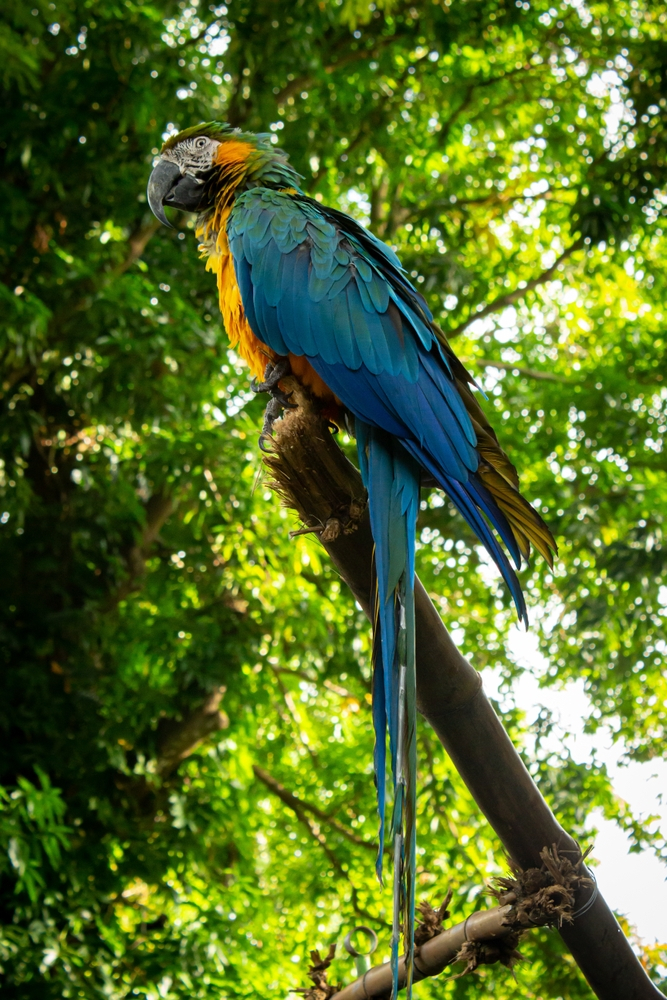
(509, 366)
(300, 809)
(296, 804)
(502, 301)
(287, 698)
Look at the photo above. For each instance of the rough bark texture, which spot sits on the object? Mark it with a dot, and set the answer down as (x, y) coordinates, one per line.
(315, 479)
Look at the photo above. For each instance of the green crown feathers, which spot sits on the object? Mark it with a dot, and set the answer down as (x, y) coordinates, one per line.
(221, 131)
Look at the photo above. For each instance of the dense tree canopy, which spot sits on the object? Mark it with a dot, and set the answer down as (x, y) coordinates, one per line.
(514, 153)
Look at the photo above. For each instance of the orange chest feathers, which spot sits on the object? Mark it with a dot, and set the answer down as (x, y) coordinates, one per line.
(255, 353)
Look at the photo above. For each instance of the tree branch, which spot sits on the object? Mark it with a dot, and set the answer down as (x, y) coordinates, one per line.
(159, 508)
(177, 739)
(298, 730)
(484, 937)
(539, 897)
(443, 134)
(313, 679)
(511, 367)
(296, 804)
(300, 810)
(180, 739)
(502, 301)
(136, 246)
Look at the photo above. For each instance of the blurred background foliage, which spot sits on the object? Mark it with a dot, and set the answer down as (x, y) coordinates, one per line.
(514, 153)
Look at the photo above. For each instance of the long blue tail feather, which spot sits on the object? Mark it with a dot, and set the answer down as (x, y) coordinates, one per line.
(392, 479)
(380, 728)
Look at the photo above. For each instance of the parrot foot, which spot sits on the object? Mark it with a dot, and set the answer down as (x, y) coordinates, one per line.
(273, 373)
(271, 414)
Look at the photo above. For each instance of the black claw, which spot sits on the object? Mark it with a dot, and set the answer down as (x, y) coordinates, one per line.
(276, 393)
(284, 399)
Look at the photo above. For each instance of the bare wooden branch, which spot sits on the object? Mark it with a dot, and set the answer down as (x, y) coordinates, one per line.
(317, 481)
(510, 366)
(509, 298)
(159, 508)
(180, 739)
(296, 804)
(435, 955)
(136, 245)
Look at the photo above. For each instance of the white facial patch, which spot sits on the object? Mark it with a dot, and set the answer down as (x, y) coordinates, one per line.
(194, 155)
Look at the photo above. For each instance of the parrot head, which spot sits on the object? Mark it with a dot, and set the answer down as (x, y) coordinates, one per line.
(202, 167)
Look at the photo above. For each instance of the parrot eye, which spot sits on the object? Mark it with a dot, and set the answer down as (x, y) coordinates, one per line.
(201, 142)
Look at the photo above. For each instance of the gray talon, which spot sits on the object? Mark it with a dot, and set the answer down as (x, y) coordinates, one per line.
(274, 372)
(271, 414)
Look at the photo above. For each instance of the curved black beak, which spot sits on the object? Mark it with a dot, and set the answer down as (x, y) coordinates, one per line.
(167, 186)
(165, 176)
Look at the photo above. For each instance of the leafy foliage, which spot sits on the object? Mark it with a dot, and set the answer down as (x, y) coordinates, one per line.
(515, 155)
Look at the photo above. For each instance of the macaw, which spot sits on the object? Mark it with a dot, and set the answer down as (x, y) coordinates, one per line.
(306, 290)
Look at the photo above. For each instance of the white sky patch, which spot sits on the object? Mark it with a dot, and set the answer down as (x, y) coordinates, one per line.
(634, 885)
(479, 327)
(609, 86)
(582, 10)
(526, 215)
(357, 205)
(540, 186)
(219, 45)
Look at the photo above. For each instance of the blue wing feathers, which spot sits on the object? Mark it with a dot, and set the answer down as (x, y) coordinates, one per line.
(293, 310)
(265, 264)
(337, 272)
(358, 319)
(364, 269)
(271, 279)
(365, 297)
(379, 293)
(386, 353)
(380, 754)
(244, 279)
(318, 286)
(300, 331)
(345, 334)
(340, 284)
(321, 318)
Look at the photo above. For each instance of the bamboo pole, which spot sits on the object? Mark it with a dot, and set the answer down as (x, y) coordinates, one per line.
(313, 476)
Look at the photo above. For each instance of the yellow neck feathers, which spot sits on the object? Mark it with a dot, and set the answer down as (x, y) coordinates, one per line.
(214, 246)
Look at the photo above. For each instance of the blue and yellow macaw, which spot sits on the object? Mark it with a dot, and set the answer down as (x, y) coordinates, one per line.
(306, 290)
